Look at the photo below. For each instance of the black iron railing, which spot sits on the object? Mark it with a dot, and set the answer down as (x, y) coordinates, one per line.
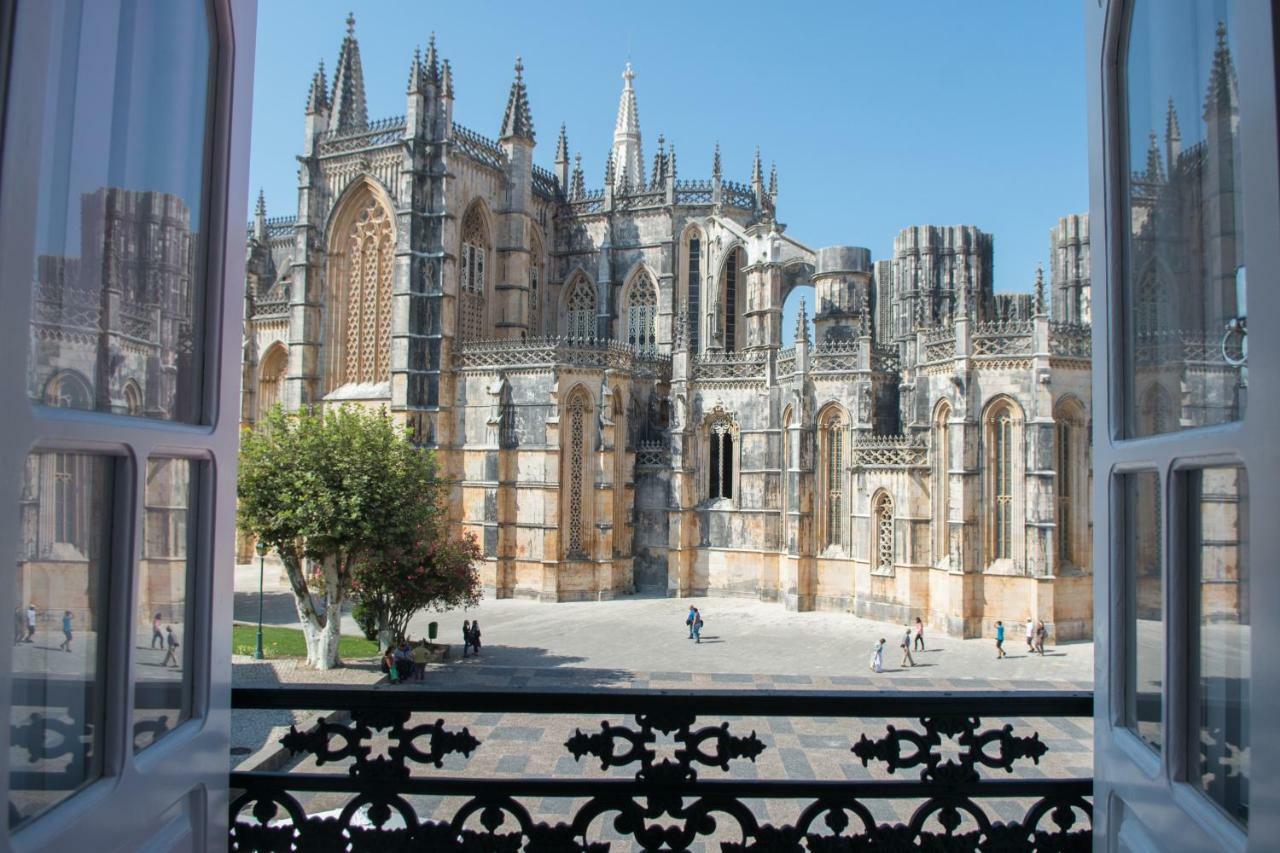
(655, 766)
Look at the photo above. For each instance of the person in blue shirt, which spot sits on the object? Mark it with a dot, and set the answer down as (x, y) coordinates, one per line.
(1000, 640)
(66, 631)
(689, 620)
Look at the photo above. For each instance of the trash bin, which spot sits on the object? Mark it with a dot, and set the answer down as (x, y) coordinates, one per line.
(432, 627)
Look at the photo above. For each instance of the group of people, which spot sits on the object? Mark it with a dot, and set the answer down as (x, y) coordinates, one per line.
(405, 661)
(24, 626)
(167, 640)
(693, 622)
(1036, 635)
(912, 637)
(470, 637)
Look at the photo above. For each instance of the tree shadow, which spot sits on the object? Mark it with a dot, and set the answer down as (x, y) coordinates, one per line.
(505, 667)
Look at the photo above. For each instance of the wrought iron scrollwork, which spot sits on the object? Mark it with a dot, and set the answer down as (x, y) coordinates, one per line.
(355, 736)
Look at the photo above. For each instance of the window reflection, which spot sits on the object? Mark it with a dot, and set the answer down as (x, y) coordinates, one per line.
(121, 121)
(162, 677)
(55, 724)
(1144, 629)
(1219, 575)
(1185, 254)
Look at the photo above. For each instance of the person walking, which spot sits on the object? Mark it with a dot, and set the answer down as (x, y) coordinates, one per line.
(31, 622)
(19, 624)
(466, 636)
(1031, 634)
(475, 638)
(1000, 640)
(420, 660)
(877, 656)
(1041, 633)
(157, 636)
(688, 620)
(171, 641)
(66, 631)
(697, 626)
(919, 643)
(906, 648)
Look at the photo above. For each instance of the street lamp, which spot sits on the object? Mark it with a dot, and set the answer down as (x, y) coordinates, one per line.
(261, 548)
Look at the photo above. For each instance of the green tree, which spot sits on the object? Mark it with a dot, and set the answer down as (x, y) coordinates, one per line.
(427, 570)
(326, 490)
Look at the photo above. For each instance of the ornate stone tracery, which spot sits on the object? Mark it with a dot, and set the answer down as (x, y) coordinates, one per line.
(581, 310)
(471, 276)
(883, 522)
(642, 314)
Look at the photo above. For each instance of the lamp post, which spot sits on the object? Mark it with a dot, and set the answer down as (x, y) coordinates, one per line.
(261, 548)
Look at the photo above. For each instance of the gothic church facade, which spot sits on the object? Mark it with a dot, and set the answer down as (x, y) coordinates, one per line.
(602, 371)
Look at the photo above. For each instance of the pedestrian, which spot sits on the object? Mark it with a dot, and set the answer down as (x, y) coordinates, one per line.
(906, 648)
(697, 626)
(919, 634)
(404, 662)
(1000, 640)
(877, 656)
(466, 636)
(420, 660)
(19, 624)
(31, 622)
(1031, 633)
(475, 638)
(171, 640)
(66, 631)
(688, 620)
(389, 665)
(1041, 633)
(157, 636)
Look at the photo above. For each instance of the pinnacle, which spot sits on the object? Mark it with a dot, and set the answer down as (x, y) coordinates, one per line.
(518, 121)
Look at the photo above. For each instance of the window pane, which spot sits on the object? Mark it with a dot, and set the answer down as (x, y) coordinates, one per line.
(117, 94)
(1218, 568)
(162, 675)
(1144, 629)
(1184, 260)
(56, 721)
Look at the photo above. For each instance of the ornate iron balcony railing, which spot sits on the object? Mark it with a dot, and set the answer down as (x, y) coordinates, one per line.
(662, 778)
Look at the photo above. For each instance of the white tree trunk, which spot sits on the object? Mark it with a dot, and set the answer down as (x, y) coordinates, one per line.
(321, 631)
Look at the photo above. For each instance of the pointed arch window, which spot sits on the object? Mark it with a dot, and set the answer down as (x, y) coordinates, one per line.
(882, 522)
(132, 399)
(274, 367)
(371, 249)
(832, 440)
(942, 484)
(68, 391)
(471, 276)
(1069, 431)
(1001, 427)
(642, 315)
(694, 317)
(731, 299)
(576, 535)
(535, 288)
(581, 311)
(720, 434)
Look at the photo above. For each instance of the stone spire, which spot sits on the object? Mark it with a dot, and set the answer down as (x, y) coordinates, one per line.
(1155, 169)
(864, 315)
(1172, 137)
(802, 324)
(659, 163)
(260, 218)
(628, 156)
(518, 122)
(1222, 98)
(773, 181)
(671, 165)
(1039, 289)
(431, 68)
(318, 95)
(715, 164)
(609, 171)
(577, 184)
(349, 110)
(757, 174)
(446, 80)
(415, 72)
(562, 159)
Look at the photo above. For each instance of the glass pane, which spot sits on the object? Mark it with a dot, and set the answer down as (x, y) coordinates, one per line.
(1144, 606)
(162, 676)
(56, 721)
(1184, 276)
(117, 95)
(1218, 568)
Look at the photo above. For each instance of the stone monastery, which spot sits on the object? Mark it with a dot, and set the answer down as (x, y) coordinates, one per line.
(602, 371)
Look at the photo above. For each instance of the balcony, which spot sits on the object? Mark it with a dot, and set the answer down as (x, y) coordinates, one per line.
(666, 770)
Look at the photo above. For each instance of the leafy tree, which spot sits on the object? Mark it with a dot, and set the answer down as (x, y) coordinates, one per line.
(327, 490)
(425, 570)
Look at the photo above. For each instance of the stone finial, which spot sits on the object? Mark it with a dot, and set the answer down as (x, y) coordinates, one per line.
(802, 323)
(349, 109)
(659, 163)
(864, 315)
(318, 94)
(260, 209)
(1039, 293)
(1155, 168)
(431, 68)
(608, 171)
(562, 145)
(517, 123)
(680, 332)
(715, 163)
(773, 181)
(446, 80)
(577, 185)
(415, 72)
(628, 152)
(757, 172)
(1222, 97)
(671, 164)
(1172, 137)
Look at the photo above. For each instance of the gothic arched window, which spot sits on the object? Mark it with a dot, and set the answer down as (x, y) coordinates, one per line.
(581, 311)
(372, 247)
(1069, 432)
(471, 276)
(576, 521)
(271, 377)
(535, 288)
(1001, 438)
(720, 435)
(730, 306)
(132, 399)
(693, 318)
(831, 492)
(68, 391)
(642, 315)
(882, 521)
(941, 483)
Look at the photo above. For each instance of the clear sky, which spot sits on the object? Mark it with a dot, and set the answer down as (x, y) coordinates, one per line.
(879, 115)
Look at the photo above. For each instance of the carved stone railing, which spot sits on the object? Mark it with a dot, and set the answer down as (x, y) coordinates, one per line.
(886, 357)
(665, 770)
(730, 365)
(280, 226)
(640, 199)
(479, 148)
(1172, 347)
(591, 201)
(549, 352)
(787, 364)
(544, 183)
(653, 454)
(835, 357)
(1012, 337)
(378, 133)
(274, 308)
(693, 192)
(1070, 340)
(885, 451)
(136, 323)
(737, 195)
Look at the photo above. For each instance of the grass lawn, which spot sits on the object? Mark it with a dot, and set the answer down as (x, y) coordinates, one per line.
(289, 643)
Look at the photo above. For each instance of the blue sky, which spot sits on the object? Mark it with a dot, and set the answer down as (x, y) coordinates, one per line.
(879, 115)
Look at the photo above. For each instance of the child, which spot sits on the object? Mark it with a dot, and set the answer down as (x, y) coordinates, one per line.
(66, 631)
(877, 657)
